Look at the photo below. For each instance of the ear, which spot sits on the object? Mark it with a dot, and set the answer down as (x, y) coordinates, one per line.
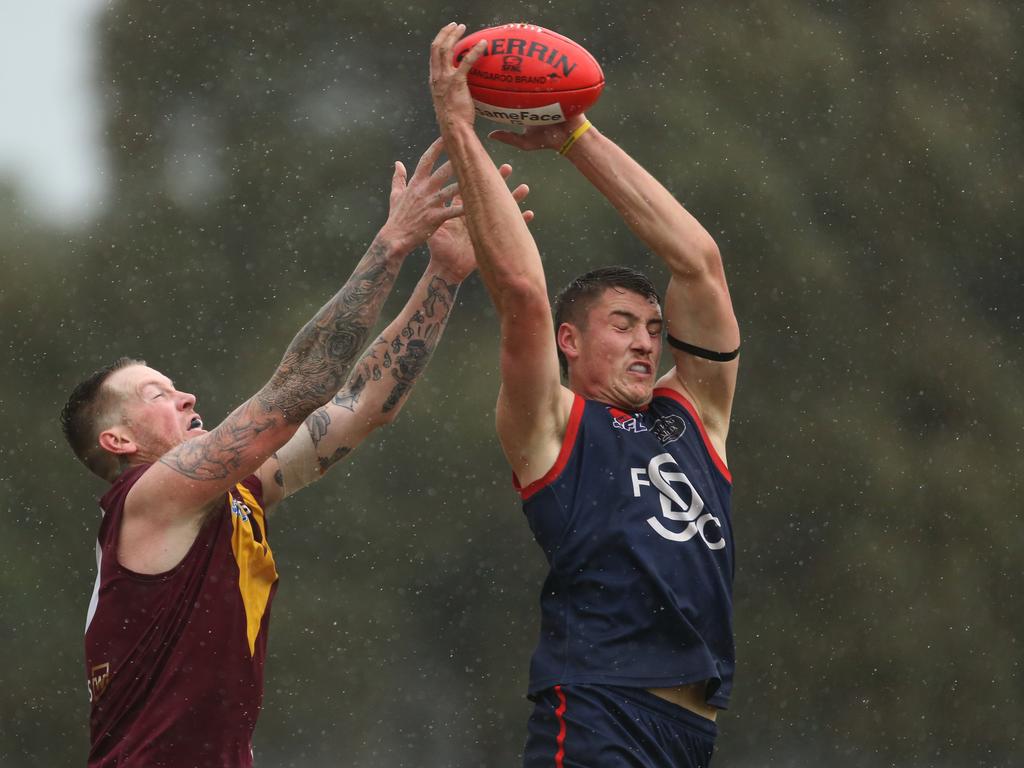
(117, 440)
(568, 339)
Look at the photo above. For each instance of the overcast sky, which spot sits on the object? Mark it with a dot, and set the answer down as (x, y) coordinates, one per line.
(50, 146)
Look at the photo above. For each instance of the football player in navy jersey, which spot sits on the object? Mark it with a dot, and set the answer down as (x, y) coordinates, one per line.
(622, 474)
(176, 630)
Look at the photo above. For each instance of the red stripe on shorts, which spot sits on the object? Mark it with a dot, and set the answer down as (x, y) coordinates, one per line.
(560, 713)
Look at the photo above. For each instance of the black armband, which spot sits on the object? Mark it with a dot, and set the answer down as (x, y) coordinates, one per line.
(707, 354)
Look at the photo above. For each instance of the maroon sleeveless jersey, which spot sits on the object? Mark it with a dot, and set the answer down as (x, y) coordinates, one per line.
(175, 661)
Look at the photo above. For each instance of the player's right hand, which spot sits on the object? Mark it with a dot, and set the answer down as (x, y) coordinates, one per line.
(452, 101)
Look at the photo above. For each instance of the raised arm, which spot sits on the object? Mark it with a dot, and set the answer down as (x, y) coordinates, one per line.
(698, 309)
(375, 391)
(164, 505)
(533, 407)
(383, 379)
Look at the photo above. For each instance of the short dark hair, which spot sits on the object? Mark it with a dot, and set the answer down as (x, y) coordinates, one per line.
(88, 403)
(575, 300)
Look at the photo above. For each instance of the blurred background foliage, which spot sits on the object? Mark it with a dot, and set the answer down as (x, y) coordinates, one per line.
(859, 165)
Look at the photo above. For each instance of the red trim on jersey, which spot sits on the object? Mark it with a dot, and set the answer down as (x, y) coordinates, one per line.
(683, 401)
(575, 417)
(560, 714)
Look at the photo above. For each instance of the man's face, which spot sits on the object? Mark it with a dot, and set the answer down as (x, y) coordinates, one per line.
(614, 357)
(155, 415)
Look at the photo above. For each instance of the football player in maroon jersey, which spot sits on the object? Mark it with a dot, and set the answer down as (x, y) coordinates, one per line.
(177, 626)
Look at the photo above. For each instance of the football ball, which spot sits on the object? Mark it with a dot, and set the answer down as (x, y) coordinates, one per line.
(529, 75)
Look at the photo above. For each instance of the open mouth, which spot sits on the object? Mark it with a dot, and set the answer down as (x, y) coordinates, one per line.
(643, 368)
(196, 423)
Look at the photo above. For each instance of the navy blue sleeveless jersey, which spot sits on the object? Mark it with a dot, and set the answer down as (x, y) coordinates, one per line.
(634, 521)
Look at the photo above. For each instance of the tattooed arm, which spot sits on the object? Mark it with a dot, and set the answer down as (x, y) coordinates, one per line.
(165, 507)
(381, 381)
(384, 376)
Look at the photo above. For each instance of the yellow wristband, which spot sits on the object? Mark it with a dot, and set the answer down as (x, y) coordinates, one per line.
(575, 136)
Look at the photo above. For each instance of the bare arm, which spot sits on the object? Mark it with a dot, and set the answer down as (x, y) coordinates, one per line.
(382, 380)
(375, 391)
(533, 407)
(698, 309)
(311, 370)
(164, 506)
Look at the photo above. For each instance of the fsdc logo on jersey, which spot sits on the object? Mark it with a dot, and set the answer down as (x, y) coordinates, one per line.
(673, 507)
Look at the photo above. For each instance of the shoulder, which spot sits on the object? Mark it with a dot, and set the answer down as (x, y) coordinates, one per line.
(677, 403)
(118, 490)
(675, 399)
(564, 447)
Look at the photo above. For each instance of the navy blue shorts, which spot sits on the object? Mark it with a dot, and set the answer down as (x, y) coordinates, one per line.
(602, 726)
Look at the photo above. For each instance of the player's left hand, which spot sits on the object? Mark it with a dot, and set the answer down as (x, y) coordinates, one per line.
(534, 137)
(421, 203)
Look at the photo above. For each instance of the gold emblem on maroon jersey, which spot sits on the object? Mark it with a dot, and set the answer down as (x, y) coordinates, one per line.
(99, 679)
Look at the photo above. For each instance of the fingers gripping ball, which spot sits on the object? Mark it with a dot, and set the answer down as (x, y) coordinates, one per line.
(529, 75)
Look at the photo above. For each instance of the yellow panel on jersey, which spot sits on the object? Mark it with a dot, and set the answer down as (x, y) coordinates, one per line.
(256, 570)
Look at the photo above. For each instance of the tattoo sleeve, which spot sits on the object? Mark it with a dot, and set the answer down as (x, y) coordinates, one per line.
(367, 369)
(415, 344)
(402, 359)
(314, 366)
(225, 449)
(378, 383)
(317, 424)
(326, 462)
(321, 355)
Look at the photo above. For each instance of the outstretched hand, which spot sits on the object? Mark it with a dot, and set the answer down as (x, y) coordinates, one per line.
(551, 136)
(420, 204)
(451, 247)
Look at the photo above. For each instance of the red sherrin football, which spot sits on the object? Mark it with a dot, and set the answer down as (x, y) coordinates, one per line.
(530, 75)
